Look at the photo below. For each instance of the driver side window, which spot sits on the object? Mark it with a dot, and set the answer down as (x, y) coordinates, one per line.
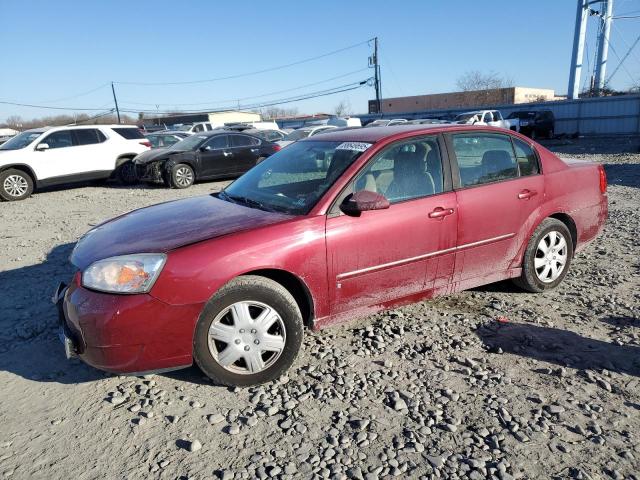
(405, 171)
(60, 139)
(218, 142)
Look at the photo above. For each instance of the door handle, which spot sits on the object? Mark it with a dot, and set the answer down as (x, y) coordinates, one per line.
(226, 154)
(527, 194)
(441, 212)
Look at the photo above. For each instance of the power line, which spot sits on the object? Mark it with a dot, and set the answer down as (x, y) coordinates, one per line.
(49, 107)
(321, 93)
(75, 96)
(247, 74)
(252, 97)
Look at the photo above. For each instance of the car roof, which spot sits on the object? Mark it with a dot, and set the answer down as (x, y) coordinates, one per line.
(372, 135)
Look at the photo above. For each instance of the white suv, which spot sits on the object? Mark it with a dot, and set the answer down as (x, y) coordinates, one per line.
(56, 155)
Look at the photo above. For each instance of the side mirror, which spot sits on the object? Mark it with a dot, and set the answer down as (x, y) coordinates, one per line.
(363, 201)
(42, 146)
(206, 148)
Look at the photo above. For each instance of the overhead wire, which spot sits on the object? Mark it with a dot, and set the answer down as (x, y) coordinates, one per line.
(247, 74)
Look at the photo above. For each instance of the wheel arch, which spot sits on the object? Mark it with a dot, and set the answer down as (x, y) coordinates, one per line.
(22, 167)
(295, 286)
(124, 158)
(570, 224)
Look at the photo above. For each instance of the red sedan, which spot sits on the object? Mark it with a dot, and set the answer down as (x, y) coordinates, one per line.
(330, 228)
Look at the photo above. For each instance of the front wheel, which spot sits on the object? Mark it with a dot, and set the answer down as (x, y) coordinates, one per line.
(127, 173)
(181, 176)
(249, 333)
(547, 257)
(15, 185)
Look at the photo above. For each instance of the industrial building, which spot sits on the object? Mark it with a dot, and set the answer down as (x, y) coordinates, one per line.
(470, 99)
(216, 118)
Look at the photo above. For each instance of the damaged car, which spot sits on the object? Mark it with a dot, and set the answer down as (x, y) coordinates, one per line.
(204, 156)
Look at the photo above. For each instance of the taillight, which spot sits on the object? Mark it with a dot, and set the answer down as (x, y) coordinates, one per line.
(276, 147)
(146, 144)
(603, 179)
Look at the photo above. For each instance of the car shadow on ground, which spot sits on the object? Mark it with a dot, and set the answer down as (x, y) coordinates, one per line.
(29, 346)
(624, 174)
(560, 347)
(29, 343)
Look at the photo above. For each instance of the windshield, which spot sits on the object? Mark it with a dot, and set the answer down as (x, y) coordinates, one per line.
(377, 123)
(20, 141)
(183, 128)
(294, 179)
(463, 117)
(297, 135)
(189, 143)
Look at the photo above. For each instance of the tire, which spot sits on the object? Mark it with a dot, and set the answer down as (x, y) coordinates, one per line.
(181, 176)
(542, 271)
(260, 159)
(127, 173)
(220, 342)
(15, 185)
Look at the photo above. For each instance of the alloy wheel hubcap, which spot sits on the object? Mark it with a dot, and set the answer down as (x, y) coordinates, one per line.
(247, 337)
(551, 257)
(15, 185)
(184, 177)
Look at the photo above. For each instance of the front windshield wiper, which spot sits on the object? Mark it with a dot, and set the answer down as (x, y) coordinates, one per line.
(250, 202)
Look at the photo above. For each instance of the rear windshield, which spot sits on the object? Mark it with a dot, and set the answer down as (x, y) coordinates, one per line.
(129, 133)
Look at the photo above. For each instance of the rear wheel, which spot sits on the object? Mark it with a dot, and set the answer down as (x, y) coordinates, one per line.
(547, 257)
(249, 333)
(15, 185)
(181, 176)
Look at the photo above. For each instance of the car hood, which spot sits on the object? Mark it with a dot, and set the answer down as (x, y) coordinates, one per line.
(160, 154)
(166, 226)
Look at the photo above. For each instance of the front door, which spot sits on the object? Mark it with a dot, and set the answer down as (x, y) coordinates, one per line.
(61, 159)
(498, 189)
(384, 255)
(216, 159)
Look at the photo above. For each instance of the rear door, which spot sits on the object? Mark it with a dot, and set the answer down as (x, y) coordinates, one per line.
(498, 189)
(384, 255)
(97, 160)
(246, 151)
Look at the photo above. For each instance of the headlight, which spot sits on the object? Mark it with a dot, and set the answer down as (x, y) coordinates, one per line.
(125, 274)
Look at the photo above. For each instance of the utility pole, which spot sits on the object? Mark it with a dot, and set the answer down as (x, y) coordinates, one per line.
(603, 46)
(578, 49)
(116, 102)
(373, 62)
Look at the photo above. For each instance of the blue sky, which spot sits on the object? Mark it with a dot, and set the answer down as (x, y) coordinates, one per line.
(54, 50)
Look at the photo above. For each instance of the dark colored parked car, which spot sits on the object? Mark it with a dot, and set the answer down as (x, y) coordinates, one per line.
(203, 156)
(332, 227)
(536, 124)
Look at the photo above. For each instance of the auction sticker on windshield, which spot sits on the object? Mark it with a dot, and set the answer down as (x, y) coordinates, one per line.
(354, 146)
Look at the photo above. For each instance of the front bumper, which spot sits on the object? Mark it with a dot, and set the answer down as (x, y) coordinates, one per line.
(125, 333)
(150, 172)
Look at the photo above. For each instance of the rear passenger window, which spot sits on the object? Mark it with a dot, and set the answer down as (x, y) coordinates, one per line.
(484, 158)
(129, 133)
(243, 141)
(89, 136)
(527, 160)
(405, 171)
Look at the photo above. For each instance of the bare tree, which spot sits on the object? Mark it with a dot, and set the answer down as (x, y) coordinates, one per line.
(14, 121)
(343, 108)
(477, 80)
(278, 112)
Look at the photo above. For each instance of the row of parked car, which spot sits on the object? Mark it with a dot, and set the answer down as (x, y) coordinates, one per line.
(178, 157)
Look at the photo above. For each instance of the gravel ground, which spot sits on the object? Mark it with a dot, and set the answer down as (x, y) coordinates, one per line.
(489, 383)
